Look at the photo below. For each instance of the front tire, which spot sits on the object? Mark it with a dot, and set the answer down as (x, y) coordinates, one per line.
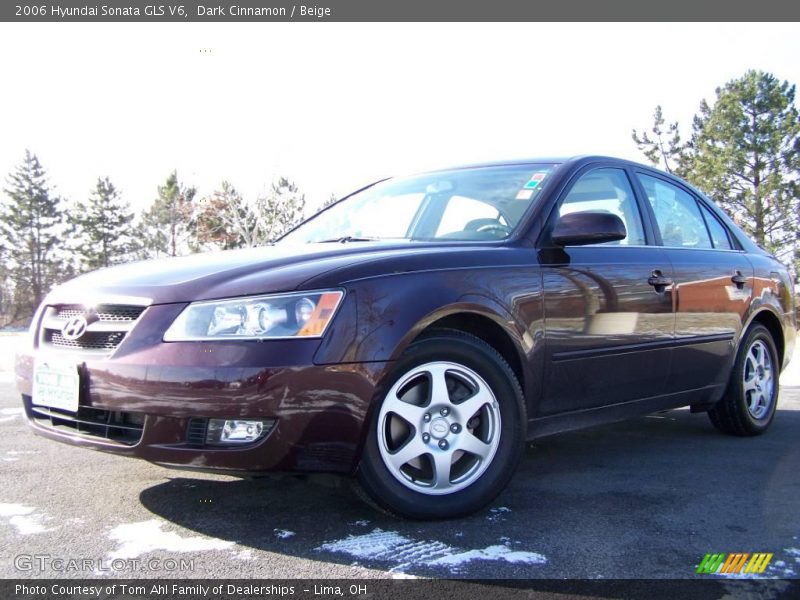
(749, 403)
(449, 430)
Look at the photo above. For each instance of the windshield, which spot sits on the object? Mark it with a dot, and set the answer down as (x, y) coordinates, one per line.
(485, 203)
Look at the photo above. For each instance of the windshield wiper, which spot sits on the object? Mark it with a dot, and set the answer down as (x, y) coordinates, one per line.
(348, 238)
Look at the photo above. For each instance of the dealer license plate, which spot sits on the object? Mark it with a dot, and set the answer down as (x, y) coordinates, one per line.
(56, 383)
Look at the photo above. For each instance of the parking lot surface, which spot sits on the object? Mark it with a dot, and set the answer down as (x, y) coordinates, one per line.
(640, 499)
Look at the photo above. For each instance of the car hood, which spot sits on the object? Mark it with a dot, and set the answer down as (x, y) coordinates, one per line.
(233, 273)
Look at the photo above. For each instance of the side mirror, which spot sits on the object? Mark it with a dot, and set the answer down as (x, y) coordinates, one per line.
(588, 227)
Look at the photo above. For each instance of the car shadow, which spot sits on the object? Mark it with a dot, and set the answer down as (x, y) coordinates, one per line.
(645, 498)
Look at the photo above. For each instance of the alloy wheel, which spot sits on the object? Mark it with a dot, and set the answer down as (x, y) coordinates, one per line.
(438, 428)
(758, 380)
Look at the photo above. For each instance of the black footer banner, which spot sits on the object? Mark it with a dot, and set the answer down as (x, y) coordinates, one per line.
(403, 589)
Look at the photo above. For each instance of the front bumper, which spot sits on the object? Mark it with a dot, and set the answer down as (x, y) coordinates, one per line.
(320, 410)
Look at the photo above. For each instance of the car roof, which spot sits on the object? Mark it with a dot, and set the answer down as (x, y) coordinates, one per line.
(559, 160)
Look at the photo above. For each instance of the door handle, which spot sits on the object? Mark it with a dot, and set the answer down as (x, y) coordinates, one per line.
(658, 281)
(739, 279)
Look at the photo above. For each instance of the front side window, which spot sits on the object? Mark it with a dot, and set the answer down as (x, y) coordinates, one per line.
(607, 190)
(481, 204)
(677, 214)
(466, 214)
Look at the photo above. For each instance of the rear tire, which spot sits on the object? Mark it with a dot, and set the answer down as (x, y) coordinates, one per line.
(448, 432)
(749, 403)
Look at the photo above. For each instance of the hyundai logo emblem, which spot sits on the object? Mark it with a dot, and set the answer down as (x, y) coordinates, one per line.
(439, 428)
(74, 328)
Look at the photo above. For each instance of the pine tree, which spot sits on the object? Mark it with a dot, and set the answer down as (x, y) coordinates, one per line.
(103, 227)
(664, 147)
(31, 228)
(745, 154)
(7, 307)
(281, 209)
(168, 226)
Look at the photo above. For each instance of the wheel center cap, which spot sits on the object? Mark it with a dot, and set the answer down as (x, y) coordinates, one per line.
(440, 428)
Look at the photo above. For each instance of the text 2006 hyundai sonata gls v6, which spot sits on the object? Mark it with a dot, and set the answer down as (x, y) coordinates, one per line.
(419, 331)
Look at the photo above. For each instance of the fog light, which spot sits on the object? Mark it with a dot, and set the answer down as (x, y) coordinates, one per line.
(237, 431)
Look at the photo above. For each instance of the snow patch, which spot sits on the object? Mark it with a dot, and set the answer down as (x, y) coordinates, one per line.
(23, 518)
(246, 554)
(497, 514)
(283, 533)
(14, 510)
(497, 553)
(146, 536)
(404, 552)
(401, 575)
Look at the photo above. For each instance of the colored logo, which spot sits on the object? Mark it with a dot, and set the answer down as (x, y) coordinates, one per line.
(735, 563)
(74, 328)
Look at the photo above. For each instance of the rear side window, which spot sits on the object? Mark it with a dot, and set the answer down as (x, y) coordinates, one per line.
(719, 235)
(677, 214)
(607, 190)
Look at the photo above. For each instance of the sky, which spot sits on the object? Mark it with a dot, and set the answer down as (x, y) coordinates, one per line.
(335, 106)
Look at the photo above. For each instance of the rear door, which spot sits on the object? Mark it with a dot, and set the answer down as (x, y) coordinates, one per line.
(608, 307)
(713, 283)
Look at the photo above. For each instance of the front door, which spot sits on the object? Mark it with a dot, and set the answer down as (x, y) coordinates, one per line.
(608, 307)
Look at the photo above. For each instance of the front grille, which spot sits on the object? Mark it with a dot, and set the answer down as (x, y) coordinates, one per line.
(114, 426)
(105, 312)
(108, 324)
(91, 340)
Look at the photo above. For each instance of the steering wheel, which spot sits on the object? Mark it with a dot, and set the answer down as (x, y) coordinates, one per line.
(504, 230)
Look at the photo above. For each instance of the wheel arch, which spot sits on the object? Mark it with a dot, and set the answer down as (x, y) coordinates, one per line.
(489, 327)
(773, 324)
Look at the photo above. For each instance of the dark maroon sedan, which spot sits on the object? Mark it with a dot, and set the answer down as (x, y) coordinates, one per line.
(418, 332)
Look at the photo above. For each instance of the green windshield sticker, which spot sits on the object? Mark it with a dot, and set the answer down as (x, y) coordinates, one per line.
(535, 180)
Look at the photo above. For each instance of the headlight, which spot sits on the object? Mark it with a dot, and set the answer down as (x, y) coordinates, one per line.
(302, 314)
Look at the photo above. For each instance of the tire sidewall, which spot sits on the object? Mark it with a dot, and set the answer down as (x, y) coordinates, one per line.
(470, 352)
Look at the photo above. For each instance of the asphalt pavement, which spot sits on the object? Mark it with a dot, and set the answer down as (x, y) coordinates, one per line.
(646, 498)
